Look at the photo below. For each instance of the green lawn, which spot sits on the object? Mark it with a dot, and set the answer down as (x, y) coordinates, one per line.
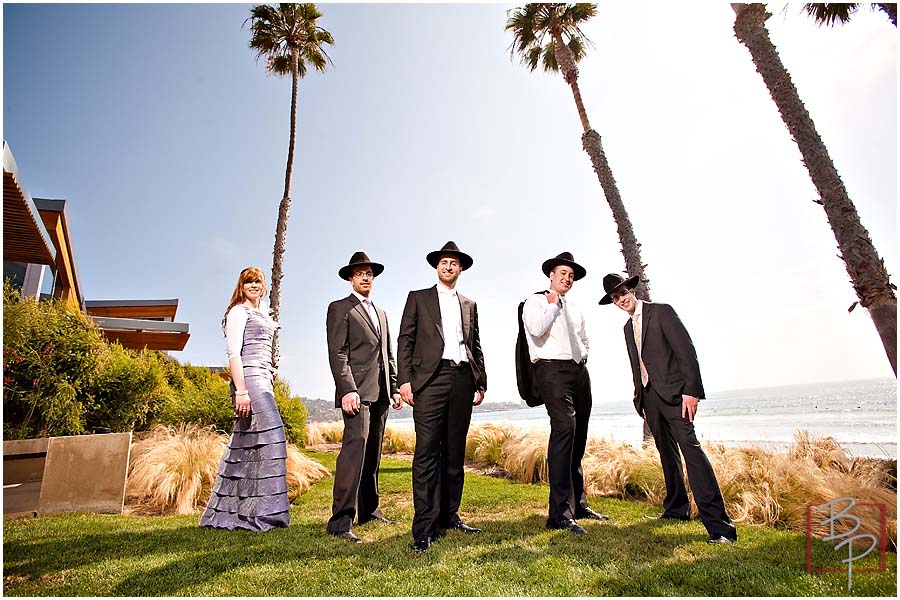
(106, 555)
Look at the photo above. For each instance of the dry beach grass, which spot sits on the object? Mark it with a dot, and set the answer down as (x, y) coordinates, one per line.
(172, 470)
(760, 486)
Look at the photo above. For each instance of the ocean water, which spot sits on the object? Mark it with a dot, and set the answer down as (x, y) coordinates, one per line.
(861, 415)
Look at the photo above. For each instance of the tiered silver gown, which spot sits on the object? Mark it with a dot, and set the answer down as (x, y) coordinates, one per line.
(251, 485)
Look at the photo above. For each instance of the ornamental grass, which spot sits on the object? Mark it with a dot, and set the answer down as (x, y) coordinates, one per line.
(760, 486)
(331, 432)
(172, 470)
(399, 440)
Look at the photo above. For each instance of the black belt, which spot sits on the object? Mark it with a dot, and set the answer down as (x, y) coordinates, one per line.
(566, 361)
(452, 364)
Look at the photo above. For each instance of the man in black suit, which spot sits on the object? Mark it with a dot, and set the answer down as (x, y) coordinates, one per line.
(668, 388)
(365, 375)
(441, 375)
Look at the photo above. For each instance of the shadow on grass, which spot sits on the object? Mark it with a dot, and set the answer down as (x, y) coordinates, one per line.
(514, 556)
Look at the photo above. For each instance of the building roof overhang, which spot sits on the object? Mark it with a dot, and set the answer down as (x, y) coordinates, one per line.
(133, 309)
(139, 334)
(25, 239)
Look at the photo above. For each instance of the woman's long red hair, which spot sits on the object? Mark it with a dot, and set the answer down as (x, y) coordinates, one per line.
(248, 275)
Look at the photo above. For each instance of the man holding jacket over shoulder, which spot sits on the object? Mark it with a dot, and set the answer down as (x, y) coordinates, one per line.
(441, 375)
(667, 389)
(558, 345)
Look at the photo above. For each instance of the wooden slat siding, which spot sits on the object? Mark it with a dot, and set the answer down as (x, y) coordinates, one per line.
(132, 312)
(151, 340)
(22, 241)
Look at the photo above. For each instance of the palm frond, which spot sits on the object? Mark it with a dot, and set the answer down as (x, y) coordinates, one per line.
(549, 57)
(532, 23)
(831, 13)
(276, 31)
(533, 57)
(576, 45)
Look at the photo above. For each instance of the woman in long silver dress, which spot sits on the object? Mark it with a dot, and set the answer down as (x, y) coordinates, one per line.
(250, 491)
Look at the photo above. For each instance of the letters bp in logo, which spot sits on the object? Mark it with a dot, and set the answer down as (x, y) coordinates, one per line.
(840, 521)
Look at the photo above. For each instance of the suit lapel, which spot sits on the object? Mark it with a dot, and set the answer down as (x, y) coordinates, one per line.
(466, 317)
(433, 305)
(645, 324)
(631, 346)
(363, 313)
(382, 319)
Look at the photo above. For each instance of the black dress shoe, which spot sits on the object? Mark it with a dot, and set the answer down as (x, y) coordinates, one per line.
(586, 512)
(460, 526)
(569, 525)
(667, 517)
(422, 544)
(720, 540)
(346, 535)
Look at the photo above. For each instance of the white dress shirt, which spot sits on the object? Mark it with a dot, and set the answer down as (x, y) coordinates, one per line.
(370, 309)
(451, 320)
(554, 331)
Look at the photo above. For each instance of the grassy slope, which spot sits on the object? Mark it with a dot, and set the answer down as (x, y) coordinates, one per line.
(515, 556)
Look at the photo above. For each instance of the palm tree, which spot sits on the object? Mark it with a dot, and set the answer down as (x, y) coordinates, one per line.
(290, 40)
(531, 26)
(867, 272)
(831, 13)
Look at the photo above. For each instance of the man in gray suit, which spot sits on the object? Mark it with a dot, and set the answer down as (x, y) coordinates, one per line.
(365, 375)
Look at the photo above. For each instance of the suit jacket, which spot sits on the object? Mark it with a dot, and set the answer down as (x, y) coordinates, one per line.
(668, 354)
(357, 353)
(421, 341)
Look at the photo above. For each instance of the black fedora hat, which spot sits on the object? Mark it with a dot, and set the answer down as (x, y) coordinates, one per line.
(465, 261)
(613, 282)
(563, 258)
(359, 259)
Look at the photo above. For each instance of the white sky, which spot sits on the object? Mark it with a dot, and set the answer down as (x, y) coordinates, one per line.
(169, 142)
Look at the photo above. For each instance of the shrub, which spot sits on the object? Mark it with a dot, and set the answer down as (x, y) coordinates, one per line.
(128, 389)
(197, 396)
(293, 413)
(50, 354)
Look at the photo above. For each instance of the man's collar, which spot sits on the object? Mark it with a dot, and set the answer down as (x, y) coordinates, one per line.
(443, 289)
(639, 308)
(360, 297)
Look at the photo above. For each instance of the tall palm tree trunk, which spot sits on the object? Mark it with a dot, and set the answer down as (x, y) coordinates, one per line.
(631, 249)
(866, 269)
(284, 209)
(890, 10)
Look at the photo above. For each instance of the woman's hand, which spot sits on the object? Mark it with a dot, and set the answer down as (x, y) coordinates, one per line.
(242, 404)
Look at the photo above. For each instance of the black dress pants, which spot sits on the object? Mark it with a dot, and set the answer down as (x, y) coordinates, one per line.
(442, 411)
(356, 471)
(671, 431)
(565, 388)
